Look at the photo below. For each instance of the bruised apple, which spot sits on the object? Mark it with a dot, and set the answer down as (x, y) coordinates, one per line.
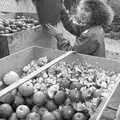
(10, 77)
(22, 111)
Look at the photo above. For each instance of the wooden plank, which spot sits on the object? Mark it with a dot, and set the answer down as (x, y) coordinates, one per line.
(27, 38)
(33, 37)
(115, 100)
(108, 114)
(102, 108)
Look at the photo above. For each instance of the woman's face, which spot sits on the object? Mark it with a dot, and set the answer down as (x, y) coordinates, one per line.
(84, 13)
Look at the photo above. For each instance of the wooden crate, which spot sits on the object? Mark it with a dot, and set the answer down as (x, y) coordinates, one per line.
(23, 39)
(18, 60)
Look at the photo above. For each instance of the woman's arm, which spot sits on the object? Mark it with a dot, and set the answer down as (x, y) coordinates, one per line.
(62, 42)
(70, 25)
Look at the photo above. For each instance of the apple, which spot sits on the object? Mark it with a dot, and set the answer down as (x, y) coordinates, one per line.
(10, 77)
(5, 110)
(57, 114)
(50, 105)
(79, 116)
(26, 89)
(19, 100)
(22, 111)
(60, 97)
(39, 98)
(48, 116)
(75, 95)
(8, 98)
(67, 112)
(33, 116)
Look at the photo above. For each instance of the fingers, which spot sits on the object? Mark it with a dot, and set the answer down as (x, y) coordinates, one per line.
(51, 30)
(50, 26)
(51, 33)
(46, 26)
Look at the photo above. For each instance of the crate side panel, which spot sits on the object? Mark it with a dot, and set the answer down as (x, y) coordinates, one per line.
(15, 61)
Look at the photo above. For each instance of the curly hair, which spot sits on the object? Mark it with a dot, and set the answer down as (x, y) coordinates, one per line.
(101, 13)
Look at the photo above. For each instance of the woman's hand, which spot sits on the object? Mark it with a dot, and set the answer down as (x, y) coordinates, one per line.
(52, 30)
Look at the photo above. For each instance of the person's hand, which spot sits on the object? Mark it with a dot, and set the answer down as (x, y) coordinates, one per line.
(52, 30)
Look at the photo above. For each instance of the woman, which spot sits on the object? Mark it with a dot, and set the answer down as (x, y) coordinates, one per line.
(91, 16)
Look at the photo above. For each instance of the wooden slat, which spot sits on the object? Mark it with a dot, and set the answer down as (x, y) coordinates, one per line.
(104, 105)
(108, 114)
(115, 100)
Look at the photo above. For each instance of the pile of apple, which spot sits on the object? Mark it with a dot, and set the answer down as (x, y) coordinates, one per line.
(62, 92)
(113, 31)
(18, 24)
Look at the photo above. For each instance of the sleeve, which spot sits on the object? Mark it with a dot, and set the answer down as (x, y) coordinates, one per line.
(63, 43)
(86, 44)
(70, 25)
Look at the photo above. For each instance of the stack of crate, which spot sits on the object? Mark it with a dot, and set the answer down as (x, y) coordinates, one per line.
(31, 37)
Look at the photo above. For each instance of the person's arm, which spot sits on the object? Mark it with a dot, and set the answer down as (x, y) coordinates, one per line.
(70, 25)
(62, 42)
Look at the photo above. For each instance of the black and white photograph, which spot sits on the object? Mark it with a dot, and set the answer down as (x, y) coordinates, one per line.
(59, 59)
